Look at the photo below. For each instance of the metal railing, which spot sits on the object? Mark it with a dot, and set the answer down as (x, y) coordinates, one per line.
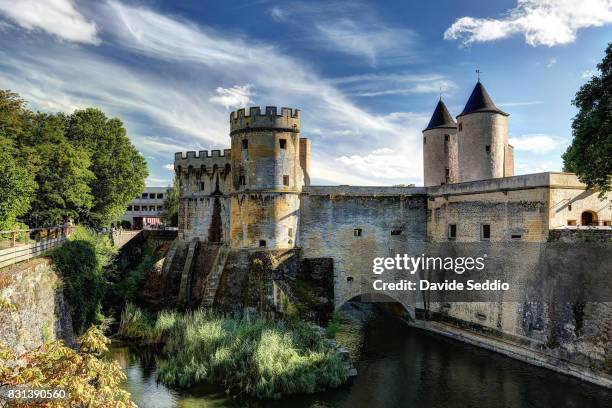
(23, 244)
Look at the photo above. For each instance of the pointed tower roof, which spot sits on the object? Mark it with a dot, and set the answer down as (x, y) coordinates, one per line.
(480, 101)
(441, 118)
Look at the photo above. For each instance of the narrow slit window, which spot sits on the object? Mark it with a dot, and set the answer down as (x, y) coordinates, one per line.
(488, 148)
(201, 186)
(357, 232)
(460, 127)
(569, 207)
(290, 232)
(516, 236)
(446, 138)
(285, 180)
(424, 140)
(241, 180)
(262, 242)
(452, 231)
(283, 143)
(485, 232)
(245, 144)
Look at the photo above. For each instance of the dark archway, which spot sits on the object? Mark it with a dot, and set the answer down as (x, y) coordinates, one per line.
(588, 218)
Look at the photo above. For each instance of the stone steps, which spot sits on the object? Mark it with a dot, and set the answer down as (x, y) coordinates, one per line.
(184, 290)
(214, 277)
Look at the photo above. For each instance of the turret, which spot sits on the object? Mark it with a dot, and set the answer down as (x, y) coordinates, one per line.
(482, 139)
(440, 148)
(267, 177)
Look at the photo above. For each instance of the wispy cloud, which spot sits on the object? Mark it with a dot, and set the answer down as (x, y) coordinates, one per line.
(525, 103)
(536, 143)
(542, 22)
(588, 73)
(59, 18)
(234, 97)
(394, 84)
(551, 62)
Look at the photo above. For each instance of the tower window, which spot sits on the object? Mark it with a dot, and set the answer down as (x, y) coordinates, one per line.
(201, 186)
(241, 180)
(569, 207)
(452, 231)
(285, 180)
(424, 140)
(396, 232)
(460, 127)
(245, 144)
(262, 242)
(485, 232)
(290, 232)
(488, 148)
(357, 232)
(283, 143)
(446, 138)
(447, 172)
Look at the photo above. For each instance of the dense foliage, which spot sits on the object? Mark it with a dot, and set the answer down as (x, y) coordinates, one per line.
(89, 381)
(256, 357)
(80, 166)
(590, 154)
(171, 205)
(84, 263)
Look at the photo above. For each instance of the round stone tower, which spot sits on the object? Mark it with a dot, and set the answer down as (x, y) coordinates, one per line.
(267, 178)
(482, 138)
(440, 148)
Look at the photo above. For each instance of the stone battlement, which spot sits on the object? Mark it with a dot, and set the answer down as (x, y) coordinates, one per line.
(201, 158)
(288, 120)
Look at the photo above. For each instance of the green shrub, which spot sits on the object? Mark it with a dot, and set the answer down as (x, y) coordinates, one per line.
(256, 357)
(84, 263)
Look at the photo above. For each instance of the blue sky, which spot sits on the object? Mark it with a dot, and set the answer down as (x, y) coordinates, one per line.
(366, 75)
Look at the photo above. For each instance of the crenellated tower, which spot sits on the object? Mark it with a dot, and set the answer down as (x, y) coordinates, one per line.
(440, 164)
(482, 139)
(268, 174)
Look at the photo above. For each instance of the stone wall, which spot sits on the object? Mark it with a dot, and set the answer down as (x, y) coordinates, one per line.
(40, 311)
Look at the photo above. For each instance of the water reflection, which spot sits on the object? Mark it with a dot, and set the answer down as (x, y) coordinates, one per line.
(398, 367)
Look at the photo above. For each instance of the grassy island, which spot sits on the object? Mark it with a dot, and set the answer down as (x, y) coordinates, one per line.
(249, 356)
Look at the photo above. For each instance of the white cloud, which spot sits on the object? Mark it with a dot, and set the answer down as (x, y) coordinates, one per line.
(524, 103)
(278, 13)
(57, 17)
(537, 143)
(371, 85)
(542, 22)
(235, 97)
(551, 62)
(385, 162)
(589, 73)
(169, 167)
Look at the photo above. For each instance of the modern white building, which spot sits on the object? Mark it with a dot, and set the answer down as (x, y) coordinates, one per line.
(146, 210)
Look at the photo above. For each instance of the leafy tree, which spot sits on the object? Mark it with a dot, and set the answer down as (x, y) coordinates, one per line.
(590, 154)
(16, 186)
(62, 171)
(13, 114)
(119, 169)
(88, 379)
(171, 205)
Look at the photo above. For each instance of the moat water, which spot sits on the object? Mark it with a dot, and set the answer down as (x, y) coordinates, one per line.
(398, 366)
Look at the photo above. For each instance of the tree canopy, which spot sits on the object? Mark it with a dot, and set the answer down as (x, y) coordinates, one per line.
(80, 166)
(590, 154)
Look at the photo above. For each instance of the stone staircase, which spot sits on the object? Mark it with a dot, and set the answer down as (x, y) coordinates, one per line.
(214, 277)
(185, 289)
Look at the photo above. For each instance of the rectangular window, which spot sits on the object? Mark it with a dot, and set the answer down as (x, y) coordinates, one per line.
(571, 223)
(447, 172)
(262, 242)
(245, 144)
(129, 208)
(241, 180)
(286, 180)
(424, 140)
(452, 231)
(396, 232)
(460, 127)
(160, 208)
(152, 208)
(607, 223)
(201, 186)
(290, 232)
(569, 207)
(160, 196)
(516, 236)
(485, 232)
(488, 148)
(136, 208)
(446, 137)
(144, 195)
(283, 143)
(357, 232)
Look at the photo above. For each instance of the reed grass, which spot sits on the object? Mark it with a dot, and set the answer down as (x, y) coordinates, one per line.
(251, 356)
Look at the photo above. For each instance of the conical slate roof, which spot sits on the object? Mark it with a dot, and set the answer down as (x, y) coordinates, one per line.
(480, 101)
(441, 118)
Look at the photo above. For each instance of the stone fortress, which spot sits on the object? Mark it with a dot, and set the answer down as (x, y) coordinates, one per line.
(250, 223)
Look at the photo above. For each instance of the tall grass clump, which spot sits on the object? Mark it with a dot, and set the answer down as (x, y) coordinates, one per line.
(135, 323)
(250, 356)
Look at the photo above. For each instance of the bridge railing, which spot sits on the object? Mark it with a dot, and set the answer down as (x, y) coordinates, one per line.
(23, 244)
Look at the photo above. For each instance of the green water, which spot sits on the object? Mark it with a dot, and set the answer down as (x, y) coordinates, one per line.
(398, 366)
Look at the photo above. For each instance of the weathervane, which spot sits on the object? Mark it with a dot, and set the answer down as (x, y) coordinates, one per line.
(478, 73)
